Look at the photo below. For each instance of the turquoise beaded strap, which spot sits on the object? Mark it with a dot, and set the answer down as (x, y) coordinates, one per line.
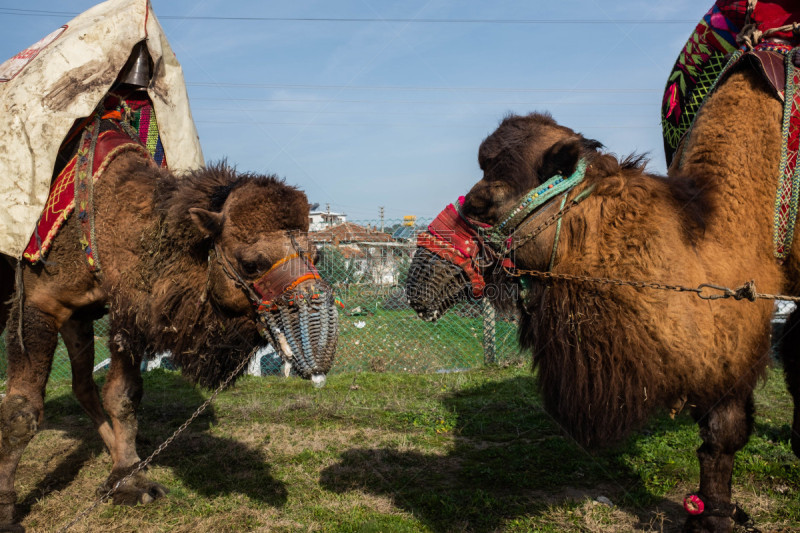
(556, 185)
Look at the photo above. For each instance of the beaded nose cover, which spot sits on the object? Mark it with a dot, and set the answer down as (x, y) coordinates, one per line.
(454, 239)
(299, 313)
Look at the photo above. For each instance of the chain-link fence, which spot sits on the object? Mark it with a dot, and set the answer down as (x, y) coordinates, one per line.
(367, 263)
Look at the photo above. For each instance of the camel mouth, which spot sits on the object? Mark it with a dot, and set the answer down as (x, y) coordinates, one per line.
(303, 326)
(434, 285)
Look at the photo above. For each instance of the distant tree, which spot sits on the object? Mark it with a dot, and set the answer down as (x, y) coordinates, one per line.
(335, 268)
(403, 263)
(390, 229)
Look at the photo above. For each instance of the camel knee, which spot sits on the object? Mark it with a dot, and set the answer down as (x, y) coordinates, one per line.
(122, 394)
(30, 357)
(728, 426)
(121, 407)
(19, 421)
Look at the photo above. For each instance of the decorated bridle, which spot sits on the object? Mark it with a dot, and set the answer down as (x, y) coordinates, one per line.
(291, 320)
(283, 277)
(473, 245)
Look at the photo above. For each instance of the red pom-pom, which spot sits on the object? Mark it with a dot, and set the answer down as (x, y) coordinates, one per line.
(693, 504)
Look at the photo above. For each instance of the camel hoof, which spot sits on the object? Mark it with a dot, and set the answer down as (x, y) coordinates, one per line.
(708, 524)
(20, 420)
(7, 513)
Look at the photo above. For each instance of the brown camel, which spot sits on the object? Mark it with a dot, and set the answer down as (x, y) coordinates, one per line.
(183, 263)
(608, 356)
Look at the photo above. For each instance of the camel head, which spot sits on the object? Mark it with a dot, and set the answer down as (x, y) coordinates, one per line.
(261, 264)
(463, 248)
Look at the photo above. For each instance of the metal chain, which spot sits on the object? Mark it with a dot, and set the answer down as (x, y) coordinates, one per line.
(143, 464)
(745, 292)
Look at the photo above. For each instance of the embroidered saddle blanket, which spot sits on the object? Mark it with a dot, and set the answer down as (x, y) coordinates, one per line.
(704, 56)
(709, 55)
(130, 125)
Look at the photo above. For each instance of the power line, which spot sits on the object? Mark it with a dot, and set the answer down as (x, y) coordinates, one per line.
(453, 113)
(43, 13)
(394, 124)
(413, 88)
(420, 102)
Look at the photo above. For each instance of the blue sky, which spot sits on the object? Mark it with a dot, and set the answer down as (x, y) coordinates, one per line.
(362, 114)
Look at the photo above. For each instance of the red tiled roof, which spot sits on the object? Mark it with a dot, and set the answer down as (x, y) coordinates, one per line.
(352, 252)
(349, 232)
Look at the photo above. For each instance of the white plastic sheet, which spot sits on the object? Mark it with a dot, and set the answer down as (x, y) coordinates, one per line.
(63, 77)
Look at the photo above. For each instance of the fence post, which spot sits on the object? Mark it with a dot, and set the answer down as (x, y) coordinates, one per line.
(489, 332)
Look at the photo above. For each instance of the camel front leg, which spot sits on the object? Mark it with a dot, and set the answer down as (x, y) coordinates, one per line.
(725, 429)
(22, 410)
(78, 337)
(121, 396)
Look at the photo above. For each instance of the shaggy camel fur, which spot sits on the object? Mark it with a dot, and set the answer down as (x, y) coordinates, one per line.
(608, 356)
(159, 239)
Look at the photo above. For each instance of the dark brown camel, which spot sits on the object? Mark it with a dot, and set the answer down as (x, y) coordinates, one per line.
(608, 356)
(182, 259)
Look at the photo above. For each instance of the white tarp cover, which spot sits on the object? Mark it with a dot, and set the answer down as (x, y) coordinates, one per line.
(45, 88)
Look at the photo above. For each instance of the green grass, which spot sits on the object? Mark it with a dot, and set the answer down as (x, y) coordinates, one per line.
(396, 340)
(370, 452)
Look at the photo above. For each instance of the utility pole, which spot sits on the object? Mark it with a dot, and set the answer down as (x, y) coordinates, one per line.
(381, 211)
(328, 214)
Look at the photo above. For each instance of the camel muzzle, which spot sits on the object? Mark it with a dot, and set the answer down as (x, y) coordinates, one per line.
(298, 312)
(446, 266)
(434, 285)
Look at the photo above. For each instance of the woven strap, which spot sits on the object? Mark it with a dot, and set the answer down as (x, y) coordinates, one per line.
(284, 276)
(535, 198)
(84, 194)
(558, 235)
(786, 199)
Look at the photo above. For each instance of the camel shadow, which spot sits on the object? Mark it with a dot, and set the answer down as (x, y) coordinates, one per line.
(208, 464)
(509, 460)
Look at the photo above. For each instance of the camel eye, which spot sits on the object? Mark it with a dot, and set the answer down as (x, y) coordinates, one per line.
(250, 268)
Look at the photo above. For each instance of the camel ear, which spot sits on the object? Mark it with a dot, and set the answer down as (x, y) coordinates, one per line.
(561, 158)
(592, 144)
(208, 222)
